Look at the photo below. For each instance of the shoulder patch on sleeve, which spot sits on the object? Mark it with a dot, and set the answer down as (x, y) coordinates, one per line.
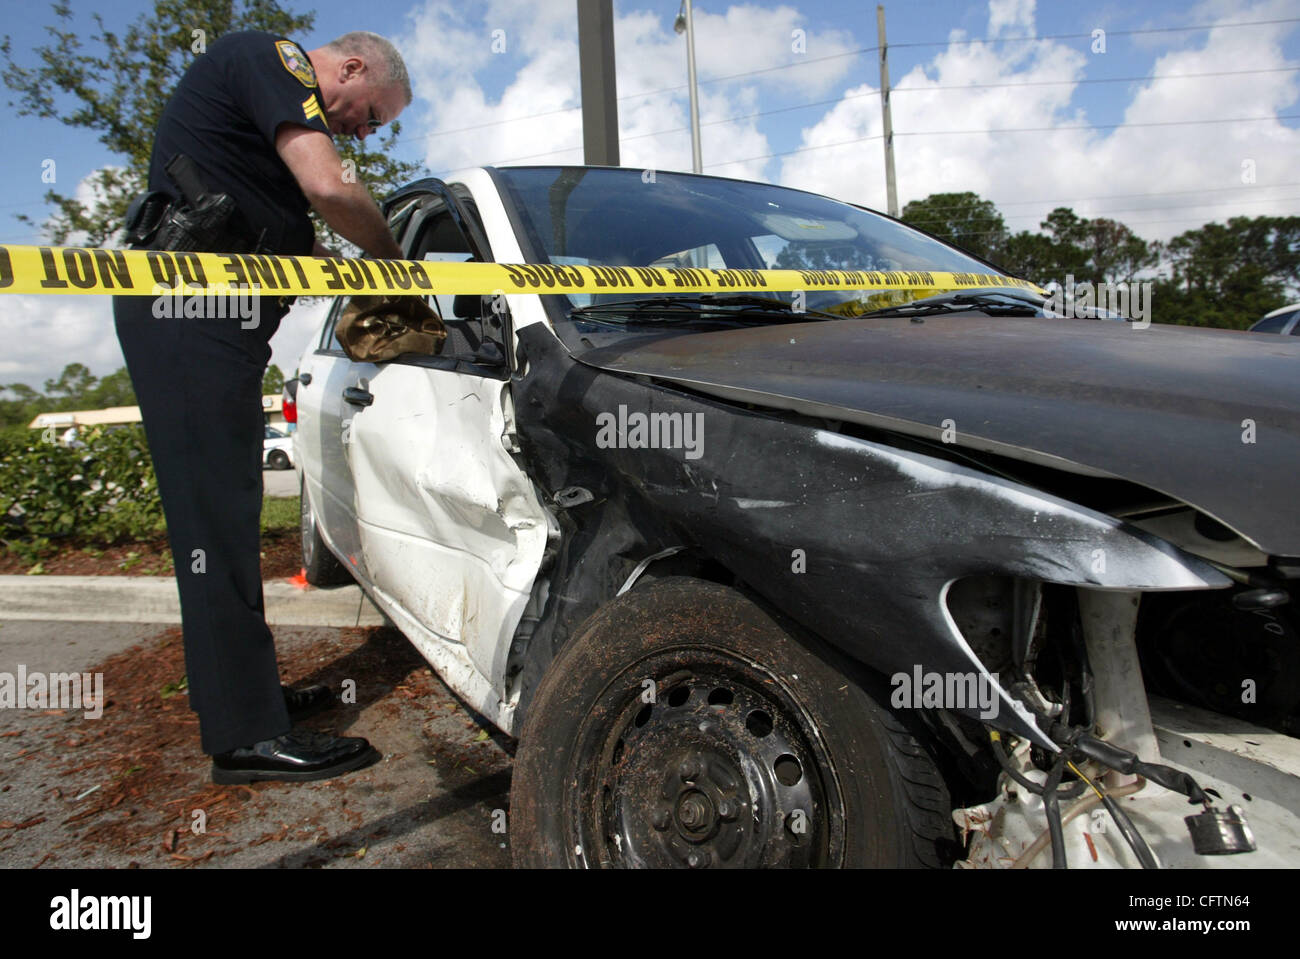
(311, 109)
(296, 62)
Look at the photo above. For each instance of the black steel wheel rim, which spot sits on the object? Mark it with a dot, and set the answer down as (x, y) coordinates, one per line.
(724, 768)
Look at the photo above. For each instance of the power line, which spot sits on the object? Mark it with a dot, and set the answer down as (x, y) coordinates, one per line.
(648, 93)
(924, 133)
(1051, 83)
(782, 153)
(534, 156)
(750, 73)
(858, 52)
(1095, 126)
(1109, 33)
(874, 93)
(855, 96)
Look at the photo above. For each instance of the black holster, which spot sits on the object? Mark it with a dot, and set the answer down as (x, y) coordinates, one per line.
(203, 222)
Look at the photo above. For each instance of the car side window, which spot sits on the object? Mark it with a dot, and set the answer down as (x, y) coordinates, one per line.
(436, 236)
(1273, 324)
(432, 233)
(328, 341)
(398, 221)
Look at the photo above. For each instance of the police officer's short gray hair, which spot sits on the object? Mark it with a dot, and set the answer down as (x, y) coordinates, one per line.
(379, 54)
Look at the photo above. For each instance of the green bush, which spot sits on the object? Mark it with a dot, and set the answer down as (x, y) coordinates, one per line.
(102, 492)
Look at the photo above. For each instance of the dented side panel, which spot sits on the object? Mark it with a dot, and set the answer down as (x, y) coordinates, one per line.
(449, 523)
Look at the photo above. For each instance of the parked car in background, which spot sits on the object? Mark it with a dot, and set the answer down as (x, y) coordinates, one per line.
(277, 449)
(1285, 321)
(762, 579)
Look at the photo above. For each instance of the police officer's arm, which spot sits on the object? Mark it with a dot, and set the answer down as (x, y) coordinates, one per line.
(346, 206)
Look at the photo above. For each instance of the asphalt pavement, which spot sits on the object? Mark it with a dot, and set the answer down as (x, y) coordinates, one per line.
(130, 787)
(281, 484)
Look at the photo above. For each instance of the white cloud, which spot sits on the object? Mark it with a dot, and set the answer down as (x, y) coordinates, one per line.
(300, 326)
(1062, 166)
(43, 334)
(748, 38)
(1011, 18)
(540, 56)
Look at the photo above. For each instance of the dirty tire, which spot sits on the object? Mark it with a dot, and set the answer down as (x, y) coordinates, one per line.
(278, 460)
(320, 566)
(748, 729)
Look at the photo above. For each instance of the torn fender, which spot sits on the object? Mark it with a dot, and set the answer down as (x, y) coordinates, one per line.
(856, 540)
(1208, 417)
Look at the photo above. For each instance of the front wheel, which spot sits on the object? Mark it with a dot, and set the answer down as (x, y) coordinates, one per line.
(683, 727)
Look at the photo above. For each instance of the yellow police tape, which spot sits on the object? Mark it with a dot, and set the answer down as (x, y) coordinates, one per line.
(77, 270)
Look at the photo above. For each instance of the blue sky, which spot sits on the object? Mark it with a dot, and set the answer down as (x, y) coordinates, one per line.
(1124, 149)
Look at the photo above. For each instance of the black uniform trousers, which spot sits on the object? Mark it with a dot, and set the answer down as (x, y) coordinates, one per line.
(199, 385)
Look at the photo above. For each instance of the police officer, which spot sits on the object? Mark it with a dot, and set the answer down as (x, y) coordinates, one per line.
(252, 119)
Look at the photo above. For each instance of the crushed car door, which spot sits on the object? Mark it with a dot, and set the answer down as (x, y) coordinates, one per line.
(451, 530)
(324, 378)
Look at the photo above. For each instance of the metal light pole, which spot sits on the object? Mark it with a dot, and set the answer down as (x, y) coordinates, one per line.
(891, 188)
(685, 23)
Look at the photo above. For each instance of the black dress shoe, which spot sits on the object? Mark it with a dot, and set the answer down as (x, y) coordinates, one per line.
(302, 703)
(297, 756)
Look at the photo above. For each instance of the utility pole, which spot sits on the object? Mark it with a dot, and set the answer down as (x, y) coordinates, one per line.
(686, 22)
(599, 91)
(891, 188)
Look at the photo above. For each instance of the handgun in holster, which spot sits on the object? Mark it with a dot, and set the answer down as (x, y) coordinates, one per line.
(203, 222)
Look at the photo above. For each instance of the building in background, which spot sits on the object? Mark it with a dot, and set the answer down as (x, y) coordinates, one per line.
(67, 420)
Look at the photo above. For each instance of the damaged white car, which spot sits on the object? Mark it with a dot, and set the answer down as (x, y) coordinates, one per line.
(840, 579)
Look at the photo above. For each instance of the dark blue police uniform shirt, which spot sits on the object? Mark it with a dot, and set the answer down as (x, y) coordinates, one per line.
(224, 114)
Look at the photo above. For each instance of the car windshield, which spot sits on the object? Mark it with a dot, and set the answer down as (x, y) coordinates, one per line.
(630, 217)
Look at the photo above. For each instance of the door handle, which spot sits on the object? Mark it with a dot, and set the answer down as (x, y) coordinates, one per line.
(358, 396)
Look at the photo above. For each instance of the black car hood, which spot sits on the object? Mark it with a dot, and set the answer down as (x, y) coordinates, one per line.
(1209, 417)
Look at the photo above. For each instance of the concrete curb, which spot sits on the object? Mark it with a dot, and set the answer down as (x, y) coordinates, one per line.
(153, 599)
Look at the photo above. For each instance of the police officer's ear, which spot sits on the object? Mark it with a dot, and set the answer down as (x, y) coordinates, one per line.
(351, 68)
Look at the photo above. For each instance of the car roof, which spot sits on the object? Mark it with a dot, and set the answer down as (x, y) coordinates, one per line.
(1281, 309)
